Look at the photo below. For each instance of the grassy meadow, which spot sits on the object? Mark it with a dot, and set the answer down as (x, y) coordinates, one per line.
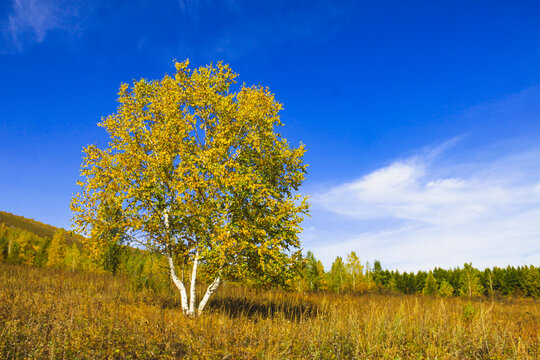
(56, 314)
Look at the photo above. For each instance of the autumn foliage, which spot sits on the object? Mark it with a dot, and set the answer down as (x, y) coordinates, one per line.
(58, 314)
(198, 173)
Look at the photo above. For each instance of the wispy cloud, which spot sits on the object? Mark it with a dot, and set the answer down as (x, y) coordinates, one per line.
(30, 21)
(254, 26)
(421, 212)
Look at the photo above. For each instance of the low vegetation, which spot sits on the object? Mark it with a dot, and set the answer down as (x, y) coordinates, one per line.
(56, 301)
(54, 313)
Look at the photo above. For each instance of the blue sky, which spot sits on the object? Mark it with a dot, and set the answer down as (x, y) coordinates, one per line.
(420, 118)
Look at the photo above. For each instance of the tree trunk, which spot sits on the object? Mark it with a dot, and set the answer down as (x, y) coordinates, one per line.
(179, 284)
(189, 310)
(192, 296)
(211, 289)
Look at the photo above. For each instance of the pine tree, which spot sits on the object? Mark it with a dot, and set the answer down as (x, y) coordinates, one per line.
(498, 280)
(511, 280)
(313, 272)
(407, 283)
(401, 282)
(446, 289)
(420, 281)
(386, 275)
(112, 257)
(41, 253)
(430, 286)
(530, 281)
(393, 281)
(378, 274)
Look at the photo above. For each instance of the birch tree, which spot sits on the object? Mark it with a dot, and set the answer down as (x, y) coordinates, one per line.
(355, 270)
(196, 170)
(470, 282)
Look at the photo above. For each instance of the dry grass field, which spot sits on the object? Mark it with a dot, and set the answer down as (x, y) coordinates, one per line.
(54, 314)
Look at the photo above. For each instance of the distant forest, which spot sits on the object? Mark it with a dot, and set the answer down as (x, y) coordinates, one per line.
(25, 241)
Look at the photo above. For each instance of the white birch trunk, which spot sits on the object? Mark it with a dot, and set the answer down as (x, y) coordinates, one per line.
(10, 244)
(193, 285)
(179, 284)
(211, 289)
(190, 310)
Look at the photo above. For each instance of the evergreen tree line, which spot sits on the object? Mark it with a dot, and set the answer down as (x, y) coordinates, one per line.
(148, 270)
(353, 276)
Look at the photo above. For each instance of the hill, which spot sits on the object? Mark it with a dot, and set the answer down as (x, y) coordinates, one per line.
(37, 228)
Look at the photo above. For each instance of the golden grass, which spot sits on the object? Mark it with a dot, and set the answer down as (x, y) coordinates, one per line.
(53, 314)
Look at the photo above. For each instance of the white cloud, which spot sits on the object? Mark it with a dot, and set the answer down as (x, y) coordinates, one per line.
(436, 215)
(31, 20)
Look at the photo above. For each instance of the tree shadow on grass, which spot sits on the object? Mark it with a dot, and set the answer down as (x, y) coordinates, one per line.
(167, 302)
(242, 307)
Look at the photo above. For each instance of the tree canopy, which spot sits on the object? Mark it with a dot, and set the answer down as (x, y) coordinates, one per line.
(197, 171)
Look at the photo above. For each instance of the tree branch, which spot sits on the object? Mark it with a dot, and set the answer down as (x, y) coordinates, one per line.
(211, 290)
